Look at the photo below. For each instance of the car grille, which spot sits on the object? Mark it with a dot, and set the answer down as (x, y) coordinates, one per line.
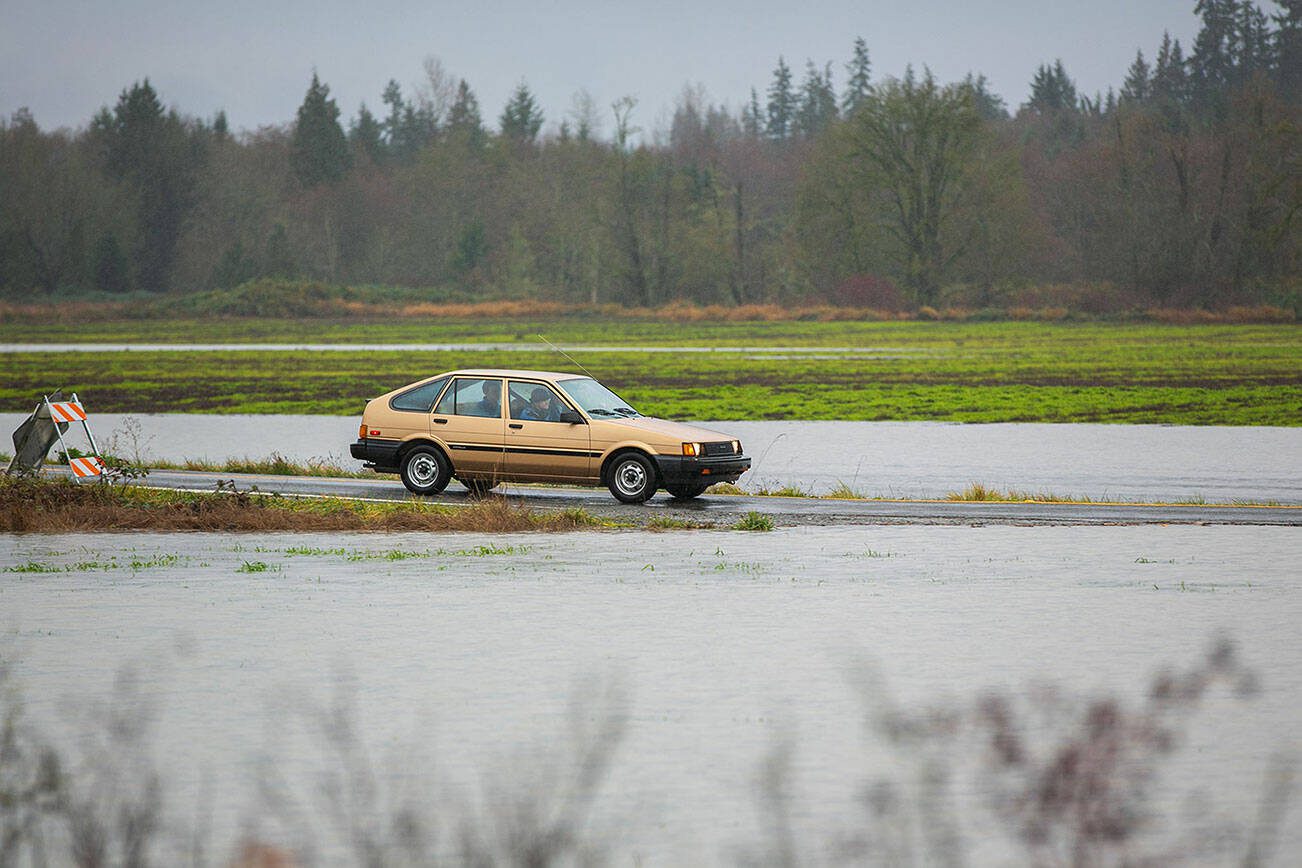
(713, 450)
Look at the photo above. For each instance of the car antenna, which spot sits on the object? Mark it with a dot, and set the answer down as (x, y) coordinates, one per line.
(566, 355)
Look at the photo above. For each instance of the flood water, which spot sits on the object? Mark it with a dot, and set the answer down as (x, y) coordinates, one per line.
(890, 459)
(467, 650)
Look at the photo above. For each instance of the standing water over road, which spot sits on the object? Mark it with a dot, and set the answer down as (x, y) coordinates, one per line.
(889, 459)
(468, 647)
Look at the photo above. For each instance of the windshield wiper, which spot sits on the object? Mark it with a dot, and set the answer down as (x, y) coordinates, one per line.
(627, 411)
(601, 411)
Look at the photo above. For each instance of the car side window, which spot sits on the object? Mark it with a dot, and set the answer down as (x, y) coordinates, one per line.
(419, 399)
(472, 397)
(534, 402)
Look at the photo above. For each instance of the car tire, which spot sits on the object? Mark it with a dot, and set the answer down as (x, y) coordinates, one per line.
(686, 492)
(478, 487)
(425, 470)
(632, 478)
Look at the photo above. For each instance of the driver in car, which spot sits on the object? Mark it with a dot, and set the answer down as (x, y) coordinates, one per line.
(541, 407)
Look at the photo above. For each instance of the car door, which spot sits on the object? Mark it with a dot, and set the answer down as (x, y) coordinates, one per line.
(538, 444)
(469, 420)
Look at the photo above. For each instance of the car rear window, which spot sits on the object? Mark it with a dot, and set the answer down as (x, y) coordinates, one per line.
(421, 398)
(473, 397)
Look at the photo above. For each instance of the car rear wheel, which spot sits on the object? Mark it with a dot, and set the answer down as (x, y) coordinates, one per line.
(632, 478)
(425, 470)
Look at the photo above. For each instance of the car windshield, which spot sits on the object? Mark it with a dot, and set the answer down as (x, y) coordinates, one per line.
(596, 399)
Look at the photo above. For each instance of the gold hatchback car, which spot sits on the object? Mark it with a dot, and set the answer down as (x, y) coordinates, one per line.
(491, 426)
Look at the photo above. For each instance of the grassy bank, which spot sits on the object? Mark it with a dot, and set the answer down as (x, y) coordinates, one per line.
(59, 506)
(962, 372)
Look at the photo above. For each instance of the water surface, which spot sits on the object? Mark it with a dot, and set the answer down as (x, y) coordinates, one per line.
(891, 459)
(727, 644)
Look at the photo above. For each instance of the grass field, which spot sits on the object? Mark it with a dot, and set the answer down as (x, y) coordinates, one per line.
(969, 372)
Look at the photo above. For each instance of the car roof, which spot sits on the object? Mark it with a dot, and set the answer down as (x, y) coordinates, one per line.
(553, 376)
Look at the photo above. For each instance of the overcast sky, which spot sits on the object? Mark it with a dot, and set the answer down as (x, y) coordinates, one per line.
(63, 59)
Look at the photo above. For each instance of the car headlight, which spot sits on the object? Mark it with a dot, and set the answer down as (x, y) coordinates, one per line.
(692, 449)
(736, 447)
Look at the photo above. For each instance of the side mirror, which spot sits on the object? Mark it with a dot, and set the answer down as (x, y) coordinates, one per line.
(571, 417)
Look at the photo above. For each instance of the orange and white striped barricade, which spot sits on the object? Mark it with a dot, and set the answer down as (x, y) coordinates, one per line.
(70, 412)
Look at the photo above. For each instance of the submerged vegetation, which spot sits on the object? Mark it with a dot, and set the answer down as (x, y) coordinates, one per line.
(962, 372)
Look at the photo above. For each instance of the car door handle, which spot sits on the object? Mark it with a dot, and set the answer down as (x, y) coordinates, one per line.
(515, 425)
(440, 421)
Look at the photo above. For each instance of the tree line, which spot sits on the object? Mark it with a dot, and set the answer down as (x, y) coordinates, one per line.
(1181, 187)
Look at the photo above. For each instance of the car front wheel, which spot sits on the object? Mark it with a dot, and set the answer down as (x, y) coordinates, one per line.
(425, 470)
(632, 478)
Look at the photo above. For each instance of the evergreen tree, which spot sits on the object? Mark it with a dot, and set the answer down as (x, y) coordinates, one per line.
(988, 104)
(1138, 84)
(1288, 49)
(782, 103)
(392, 127)
(155, 154)
(521, 118)
(1253, 42)
(221, 127)
(751, 119)
(1211, 67)
(817, 100)
(408, 127)
(366, 135)
(1052, 90)
(318, 149)
(419, 128)
(1170, 81)
(463, 118)
(858, 83)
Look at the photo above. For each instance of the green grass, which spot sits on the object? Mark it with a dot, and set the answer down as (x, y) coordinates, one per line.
(782, 491)
(273, 465)
(961, 372)
(754, 521)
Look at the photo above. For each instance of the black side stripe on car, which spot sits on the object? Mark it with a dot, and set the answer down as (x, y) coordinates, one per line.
(522, 450)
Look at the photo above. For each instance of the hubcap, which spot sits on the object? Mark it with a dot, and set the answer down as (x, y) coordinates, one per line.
(424, 470)
(630, 477)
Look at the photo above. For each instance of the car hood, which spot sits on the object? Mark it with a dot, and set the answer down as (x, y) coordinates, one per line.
(675, 430)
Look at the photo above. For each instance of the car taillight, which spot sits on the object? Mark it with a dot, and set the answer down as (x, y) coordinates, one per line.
(361, 432)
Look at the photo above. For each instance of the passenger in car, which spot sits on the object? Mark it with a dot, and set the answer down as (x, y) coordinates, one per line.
(541, 407)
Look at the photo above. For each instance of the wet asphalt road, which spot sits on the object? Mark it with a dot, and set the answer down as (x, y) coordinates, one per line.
(726, 509)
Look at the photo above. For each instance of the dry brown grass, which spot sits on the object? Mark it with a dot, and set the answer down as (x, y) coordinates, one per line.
(59, 506)
(678, 312)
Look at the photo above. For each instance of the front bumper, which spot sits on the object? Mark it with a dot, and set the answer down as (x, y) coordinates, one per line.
(377, 454)
(681, 469)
